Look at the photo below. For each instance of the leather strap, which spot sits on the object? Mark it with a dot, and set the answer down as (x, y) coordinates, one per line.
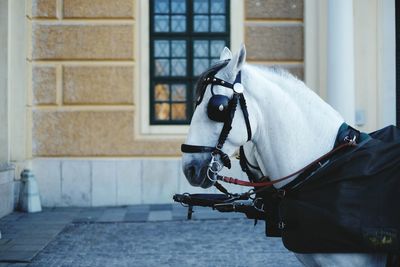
(243, 106)
(196, 149)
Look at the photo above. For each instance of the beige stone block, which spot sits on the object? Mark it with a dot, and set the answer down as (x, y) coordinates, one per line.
(157, 148)
(274, 9)
(274, 42)
(98, 8)
(93, 133)
(82, 41)
(44, 85)
(44, 8)
(296, 70)
(82, 133)
(98, 85)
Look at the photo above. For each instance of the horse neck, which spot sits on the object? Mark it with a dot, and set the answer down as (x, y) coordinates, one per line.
(294, 126)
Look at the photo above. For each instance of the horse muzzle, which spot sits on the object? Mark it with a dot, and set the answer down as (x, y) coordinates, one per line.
(197, 170)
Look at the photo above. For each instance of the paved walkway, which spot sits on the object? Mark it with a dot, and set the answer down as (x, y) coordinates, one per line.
(142, 235)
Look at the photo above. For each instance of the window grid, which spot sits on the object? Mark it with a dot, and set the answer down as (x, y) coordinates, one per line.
(172, 107)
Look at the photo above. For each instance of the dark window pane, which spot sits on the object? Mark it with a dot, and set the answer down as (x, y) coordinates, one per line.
(216, 48)
(161, 6)
(200, 65)
(161, 23)
(200, 48)
(161, 48)
(178, 111)
(178, 6)
(162, 111)
(178, 92)
(161, 67)
(217, 23)
(178, 67)
(178, 48)
(161, 92)
(178, 23)
(214, 60)
(217, 6)
(200, 23)
(200, 6)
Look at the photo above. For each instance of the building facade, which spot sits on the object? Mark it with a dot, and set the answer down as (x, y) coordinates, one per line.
(96, 95)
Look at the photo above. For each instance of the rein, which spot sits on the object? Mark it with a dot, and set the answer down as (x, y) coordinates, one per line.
(231, 180)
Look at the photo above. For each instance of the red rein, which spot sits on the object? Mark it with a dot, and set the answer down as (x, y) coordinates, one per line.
(232, 180)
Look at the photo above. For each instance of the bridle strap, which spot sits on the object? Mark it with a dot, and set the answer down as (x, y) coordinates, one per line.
(196, 149)
(243, 106)
(245, 165)
(207, 149)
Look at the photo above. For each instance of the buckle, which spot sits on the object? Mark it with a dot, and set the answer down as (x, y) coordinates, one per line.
(281, 193)
(281, 225)
(351, 141)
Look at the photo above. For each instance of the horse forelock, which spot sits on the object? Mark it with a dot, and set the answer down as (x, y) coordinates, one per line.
(201, 84)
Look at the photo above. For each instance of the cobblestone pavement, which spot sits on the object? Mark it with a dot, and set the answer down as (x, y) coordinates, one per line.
(179, 243)
(161, 237)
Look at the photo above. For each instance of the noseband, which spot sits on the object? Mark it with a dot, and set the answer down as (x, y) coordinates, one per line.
(221, 109)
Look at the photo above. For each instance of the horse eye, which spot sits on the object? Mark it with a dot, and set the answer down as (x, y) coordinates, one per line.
(217, 109)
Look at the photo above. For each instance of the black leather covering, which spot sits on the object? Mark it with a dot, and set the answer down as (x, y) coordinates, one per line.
(352, 204)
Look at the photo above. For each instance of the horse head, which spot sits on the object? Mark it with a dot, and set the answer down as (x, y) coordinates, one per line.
(220, 123)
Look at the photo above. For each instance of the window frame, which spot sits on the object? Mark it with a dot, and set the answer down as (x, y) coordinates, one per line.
(143, 129)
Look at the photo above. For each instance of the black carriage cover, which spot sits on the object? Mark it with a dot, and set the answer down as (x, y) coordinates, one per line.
(352, 204)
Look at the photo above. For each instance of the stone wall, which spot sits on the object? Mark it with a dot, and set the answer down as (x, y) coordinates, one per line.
(116, 181)
(274, 34)
(6, 189)
(82, 56)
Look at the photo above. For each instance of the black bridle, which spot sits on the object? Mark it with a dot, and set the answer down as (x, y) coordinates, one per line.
(221, 109)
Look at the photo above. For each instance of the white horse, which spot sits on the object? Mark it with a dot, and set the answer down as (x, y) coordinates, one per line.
(290, 127)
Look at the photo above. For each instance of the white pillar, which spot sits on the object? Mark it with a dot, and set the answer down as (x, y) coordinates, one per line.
(387, 63)
(341, 87)
(4, 97)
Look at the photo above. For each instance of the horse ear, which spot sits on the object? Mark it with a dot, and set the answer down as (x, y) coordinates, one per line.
(236, 63)
(225, 54)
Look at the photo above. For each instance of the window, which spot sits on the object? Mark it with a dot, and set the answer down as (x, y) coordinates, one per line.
(186, 36)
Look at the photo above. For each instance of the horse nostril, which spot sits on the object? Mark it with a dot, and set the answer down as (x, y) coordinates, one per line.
(191, 171)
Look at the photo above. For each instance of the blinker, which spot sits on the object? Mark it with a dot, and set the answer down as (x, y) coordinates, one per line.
(217, 109)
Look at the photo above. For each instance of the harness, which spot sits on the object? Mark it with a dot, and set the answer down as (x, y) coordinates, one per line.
(262, 201)
(221, 109)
